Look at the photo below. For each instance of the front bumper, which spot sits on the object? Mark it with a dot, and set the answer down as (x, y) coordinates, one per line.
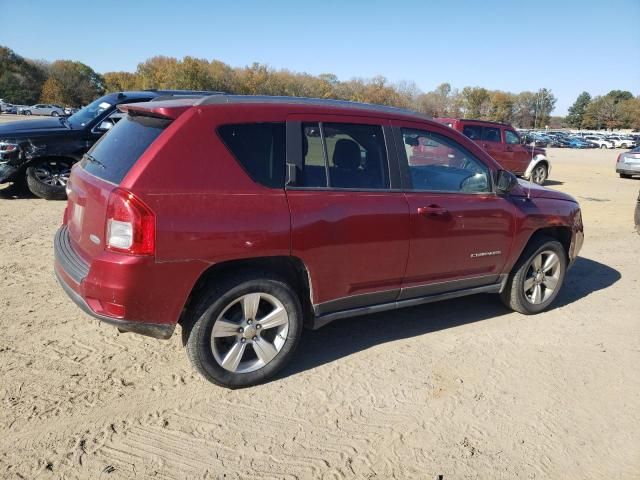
(71, 271)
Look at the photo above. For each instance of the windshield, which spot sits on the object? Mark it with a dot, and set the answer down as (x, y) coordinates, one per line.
(90, 112)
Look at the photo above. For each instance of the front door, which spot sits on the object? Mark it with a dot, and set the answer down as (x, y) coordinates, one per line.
(348, 225)
(518, 154)
(460, 229)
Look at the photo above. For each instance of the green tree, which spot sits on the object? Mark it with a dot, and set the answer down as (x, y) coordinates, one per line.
(603, 112)
(120, 81)
(576, 111)
(476, 102)
(21, 81)
(77, 83)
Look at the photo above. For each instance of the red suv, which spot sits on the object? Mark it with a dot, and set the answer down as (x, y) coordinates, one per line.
(245, 219)
(503, 143)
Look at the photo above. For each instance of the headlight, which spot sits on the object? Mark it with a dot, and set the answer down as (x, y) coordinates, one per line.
(8, 147)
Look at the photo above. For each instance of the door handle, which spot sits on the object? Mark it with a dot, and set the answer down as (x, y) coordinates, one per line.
(433, 211)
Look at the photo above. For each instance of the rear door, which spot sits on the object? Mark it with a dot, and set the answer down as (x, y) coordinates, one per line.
(460, 229)
(517, 156)
(349, 218)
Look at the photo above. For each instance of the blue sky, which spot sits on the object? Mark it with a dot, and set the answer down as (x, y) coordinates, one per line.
(568, 46)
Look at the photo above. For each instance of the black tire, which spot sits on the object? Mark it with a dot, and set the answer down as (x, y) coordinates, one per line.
(625, 175)
(27, 112)
(542, 177)
(513, 295)
(42, 189)
(54, 114)
(198, 324)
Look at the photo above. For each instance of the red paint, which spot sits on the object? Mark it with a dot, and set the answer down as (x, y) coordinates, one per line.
(208, 210)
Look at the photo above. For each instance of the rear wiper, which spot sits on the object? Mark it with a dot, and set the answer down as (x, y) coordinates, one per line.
(93, 159)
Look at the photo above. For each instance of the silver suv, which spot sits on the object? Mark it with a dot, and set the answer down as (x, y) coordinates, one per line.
(43, 109)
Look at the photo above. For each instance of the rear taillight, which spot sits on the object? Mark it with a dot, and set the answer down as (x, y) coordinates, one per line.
(131, 225)
(619, 157)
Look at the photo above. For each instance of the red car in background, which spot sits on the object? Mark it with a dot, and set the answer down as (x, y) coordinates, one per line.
(503, 143)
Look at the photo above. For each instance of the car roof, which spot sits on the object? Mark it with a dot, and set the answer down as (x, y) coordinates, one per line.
(142, 95)
(343, 106)
(474, 120)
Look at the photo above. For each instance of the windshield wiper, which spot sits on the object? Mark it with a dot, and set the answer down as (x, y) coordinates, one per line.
(93, 159)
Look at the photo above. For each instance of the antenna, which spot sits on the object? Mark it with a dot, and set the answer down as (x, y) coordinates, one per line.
(535, 120)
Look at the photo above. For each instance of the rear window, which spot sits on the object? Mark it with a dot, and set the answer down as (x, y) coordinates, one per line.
(260, 149)
(116, 152)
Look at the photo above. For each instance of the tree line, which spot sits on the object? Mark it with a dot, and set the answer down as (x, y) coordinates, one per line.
(73, 83)
(616, 109)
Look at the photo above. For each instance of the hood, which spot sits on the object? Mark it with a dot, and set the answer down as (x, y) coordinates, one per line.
(525, 188)
(32, 127)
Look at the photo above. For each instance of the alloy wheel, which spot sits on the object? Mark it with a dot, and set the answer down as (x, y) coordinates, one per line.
(53, 173)
(249, 332)
(539, 175)
(543, 276)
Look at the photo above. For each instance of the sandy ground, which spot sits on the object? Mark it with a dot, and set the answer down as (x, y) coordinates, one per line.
(460, 389)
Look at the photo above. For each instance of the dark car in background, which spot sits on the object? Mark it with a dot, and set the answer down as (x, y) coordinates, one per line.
(42, 152)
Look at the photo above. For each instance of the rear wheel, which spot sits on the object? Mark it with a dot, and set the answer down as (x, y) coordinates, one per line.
(539, 174)
(48, 178)
(54, 114)
(537, 277)
(244, 330)
(27, 112)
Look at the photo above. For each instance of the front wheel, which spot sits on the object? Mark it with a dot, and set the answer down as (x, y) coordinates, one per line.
(54, 114)
(539, 174)
(27, 112)
(48, 178)
(537, 277)
(244, 330)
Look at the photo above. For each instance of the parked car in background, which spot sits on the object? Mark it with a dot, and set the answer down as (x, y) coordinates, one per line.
(41, 152)
(628, 163)
(227, 216)
(576, 142)
(43, 109)
(8, 108)
(503, 143)
(621, 142)
(637, 214)
(599, 141)
(70, 110)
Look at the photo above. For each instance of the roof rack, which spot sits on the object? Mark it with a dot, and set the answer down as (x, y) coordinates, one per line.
(246, 99)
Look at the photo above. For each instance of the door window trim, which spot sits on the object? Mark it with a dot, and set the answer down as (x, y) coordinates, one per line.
(295, 160)
(407, 185)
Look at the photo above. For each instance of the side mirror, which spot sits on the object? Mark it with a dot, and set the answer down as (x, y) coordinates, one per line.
(505, 181)
(104, 126)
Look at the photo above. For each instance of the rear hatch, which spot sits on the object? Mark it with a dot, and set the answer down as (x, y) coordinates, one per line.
(101, 170)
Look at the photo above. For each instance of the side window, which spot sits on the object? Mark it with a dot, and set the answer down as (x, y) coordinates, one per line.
(260, 149)
(314, 173)
(511, 137)
(342, 155)
(438, 164)
(491, 134)
(472, 131)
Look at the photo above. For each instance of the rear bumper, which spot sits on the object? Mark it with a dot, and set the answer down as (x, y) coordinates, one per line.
(628, 168)
(73, 274)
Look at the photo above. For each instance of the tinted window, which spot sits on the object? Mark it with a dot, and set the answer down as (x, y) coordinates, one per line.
(511, 137)
(472, 131)
(118, 151)
(490, 134)
(354, 156)
(260, 148)
(438, 164)
(314, 173)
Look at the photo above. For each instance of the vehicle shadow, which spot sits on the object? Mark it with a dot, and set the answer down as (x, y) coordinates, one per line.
(551, 183)
(14, 191)
(351, 335)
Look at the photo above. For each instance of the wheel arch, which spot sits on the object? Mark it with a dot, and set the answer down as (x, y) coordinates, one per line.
(561, 233)
(291, 269)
